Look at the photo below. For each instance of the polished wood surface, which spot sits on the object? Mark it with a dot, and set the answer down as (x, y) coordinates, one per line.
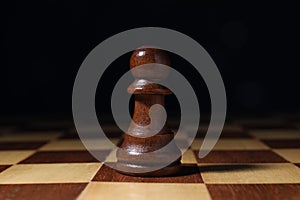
(134, 154)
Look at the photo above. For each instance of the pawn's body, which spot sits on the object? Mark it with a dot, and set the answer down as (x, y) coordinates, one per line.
(134, 157)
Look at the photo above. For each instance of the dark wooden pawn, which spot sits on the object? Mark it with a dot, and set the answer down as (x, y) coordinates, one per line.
(132, 157)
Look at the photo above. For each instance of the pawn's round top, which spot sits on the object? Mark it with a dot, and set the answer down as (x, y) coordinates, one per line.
(148, 64)
(149, 55)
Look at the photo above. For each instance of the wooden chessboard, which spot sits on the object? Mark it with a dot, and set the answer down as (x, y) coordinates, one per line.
(254, 159)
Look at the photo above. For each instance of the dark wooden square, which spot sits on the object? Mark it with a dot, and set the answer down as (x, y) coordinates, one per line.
(254, 191)
(4, 167)
(62, 191)
(241, 156)
(286, 143)
(64, 157)
(21, 145)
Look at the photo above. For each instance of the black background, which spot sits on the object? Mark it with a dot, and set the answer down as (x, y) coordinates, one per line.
(43, 44)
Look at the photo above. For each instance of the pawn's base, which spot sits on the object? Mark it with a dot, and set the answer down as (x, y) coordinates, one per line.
(153, 156)
(150, 171)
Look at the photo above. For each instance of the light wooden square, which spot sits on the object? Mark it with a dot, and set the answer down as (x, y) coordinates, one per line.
(49, 173)
(188, 157)
(111, 156)
(292, 155)
(13, 157)
(144, 191)
(232, 144)
(254, 173)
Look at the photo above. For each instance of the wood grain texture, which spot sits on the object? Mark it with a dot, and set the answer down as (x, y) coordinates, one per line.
(133, 156)
(144, 191)
(292, 155)
(149, 55)
(254, 191)
(49, 173)
(13, 156)
(64, 191)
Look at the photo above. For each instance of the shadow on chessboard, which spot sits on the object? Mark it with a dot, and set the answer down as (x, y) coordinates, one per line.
(229, 167)
(190, 169)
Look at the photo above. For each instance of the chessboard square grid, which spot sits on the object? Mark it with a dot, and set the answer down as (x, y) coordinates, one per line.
(49, 173)
(251, 164)
(144, 191)
(250, 173)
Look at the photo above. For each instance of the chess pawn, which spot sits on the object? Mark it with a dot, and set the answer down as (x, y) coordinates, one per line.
(140, 139)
